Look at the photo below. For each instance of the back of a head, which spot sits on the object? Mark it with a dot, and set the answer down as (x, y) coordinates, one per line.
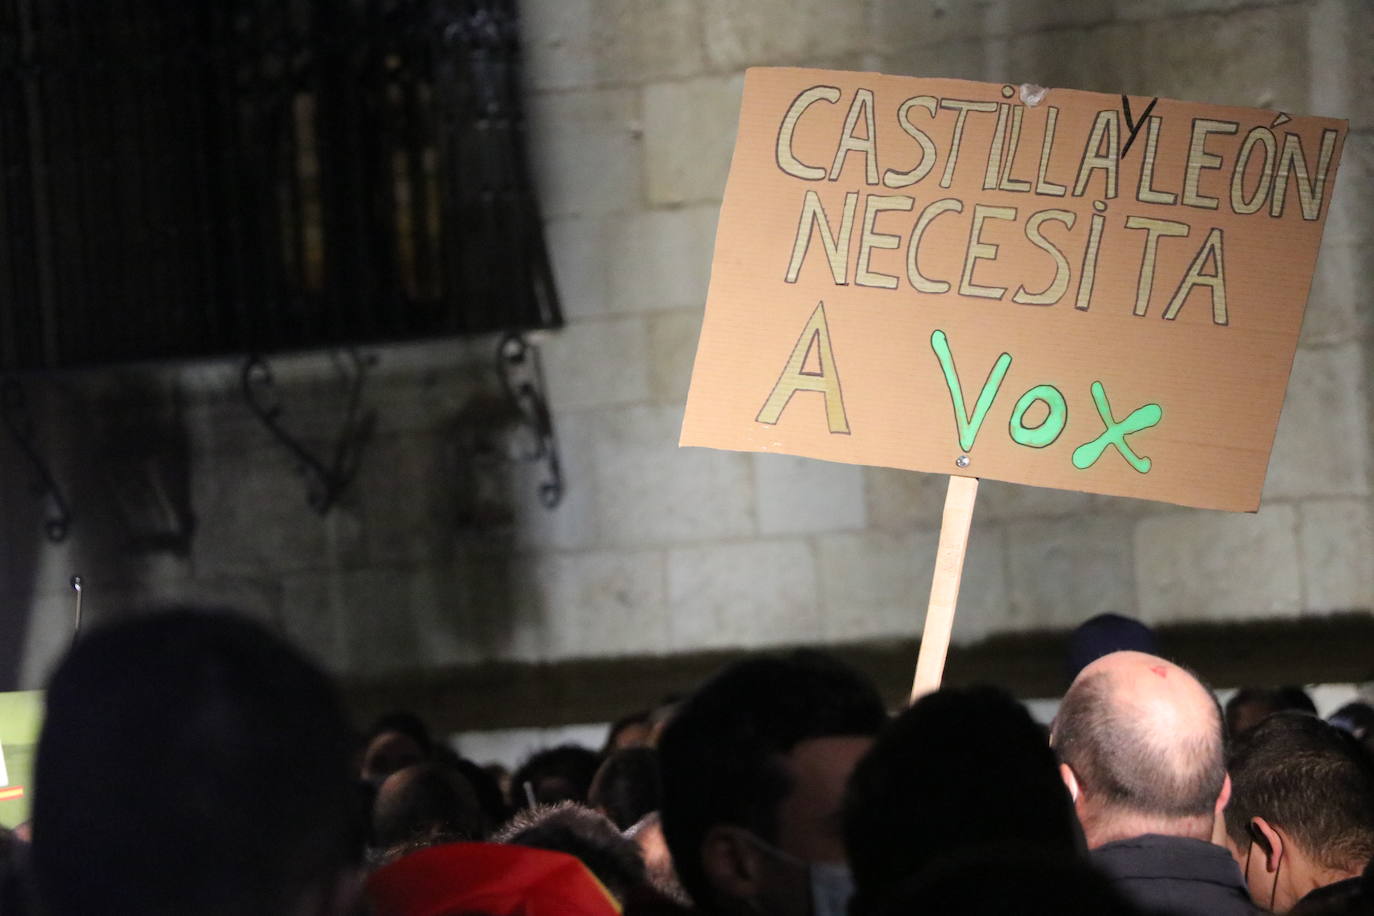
(1103, 635)
(1249, 706)
(1310, 778)
(996, 884)
(554, 775)
(190, 763)
(628, 786)
(961, 770)
(393, 742)
(584, 833)
(426, 801)
(1143, 737)
(721, 752)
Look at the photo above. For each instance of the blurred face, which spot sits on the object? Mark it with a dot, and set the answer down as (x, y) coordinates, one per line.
(809, 821)
(809, 818)
(389, 752)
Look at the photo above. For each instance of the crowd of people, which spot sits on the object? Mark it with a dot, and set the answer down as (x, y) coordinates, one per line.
(194, 763)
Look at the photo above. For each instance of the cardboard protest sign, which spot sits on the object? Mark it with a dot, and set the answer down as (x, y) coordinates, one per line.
(1069, 290)
(21, 714)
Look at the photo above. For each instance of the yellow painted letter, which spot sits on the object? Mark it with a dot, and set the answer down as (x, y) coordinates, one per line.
(797, 376)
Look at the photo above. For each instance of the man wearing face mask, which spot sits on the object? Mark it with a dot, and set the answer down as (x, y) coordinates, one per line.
(1301, 816)
(754, 768)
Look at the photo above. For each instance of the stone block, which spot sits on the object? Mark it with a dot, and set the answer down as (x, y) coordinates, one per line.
(1167, 9)
(406, 499)
(901, 25)
(901, 500)
(605, 603)
(557, 39)
(683, 162)
(661, 259)
(1337, 541)
(1350, 214)
(504, 598)
(582, 43)
(878, 584)
(46, 639)
(654, 41)
(311, 617)
(419, 387)
(795, 495)
(1322, 446)
(584, 149)
(577, 249)
(780, 32)
(574, 522)
(1340, 44)
(597, 363)
(253, 518)
(1062, 572)
(1102, 58)
(673, 348)
(956, 58)
(1338, 308)
(984, 602)
(873, 582)
(1018, 17)
(1213, 58)
(385, 620)
(172, 586)
(999, 501)
(745, 594)
(652, 492)
(1196, 565)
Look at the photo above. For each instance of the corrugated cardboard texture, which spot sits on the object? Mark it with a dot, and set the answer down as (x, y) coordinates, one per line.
(1144, 271)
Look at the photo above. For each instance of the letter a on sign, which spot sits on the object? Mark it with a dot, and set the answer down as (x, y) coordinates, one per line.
(811, 367)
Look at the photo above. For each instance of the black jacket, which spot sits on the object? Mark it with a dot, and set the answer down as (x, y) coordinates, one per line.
(1175, 875)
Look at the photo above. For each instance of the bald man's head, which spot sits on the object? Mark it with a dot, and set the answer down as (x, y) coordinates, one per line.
(1143, 738)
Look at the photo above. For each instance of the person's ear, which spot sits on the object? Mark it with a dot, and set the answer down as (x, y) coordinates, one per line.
(1269, 841)
(1224, 798)
(1070, 778)
(731, 862)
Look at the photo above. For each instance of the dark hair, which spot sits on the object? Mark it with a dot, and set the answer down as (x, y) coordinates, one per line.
(1311, 779)
(426, 800)
(619, 725)
(997, 883)
(1356, 717)
(721, 753)
(489, 796)
(1125, 759)
(579, 831)
(556, 774)
(190, 763)
(628, 786)
(403, 723)
(963, 769)
(1266, 701)
(1103, 635)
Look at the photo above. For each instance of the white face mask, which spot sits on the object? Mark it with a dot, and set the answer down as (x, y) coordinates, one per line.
(831, 882)
(831, 887)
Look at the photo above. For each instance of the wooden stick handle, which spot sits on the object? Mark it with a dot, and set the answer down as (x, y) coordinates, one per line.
(944, 588)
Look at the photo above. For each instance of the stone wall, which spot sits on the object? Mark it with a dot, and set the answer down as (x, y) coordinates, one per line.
(657, 550)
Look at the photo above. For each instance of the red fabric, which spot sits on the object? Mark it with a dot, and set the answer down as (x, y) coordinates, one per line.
(497, 880)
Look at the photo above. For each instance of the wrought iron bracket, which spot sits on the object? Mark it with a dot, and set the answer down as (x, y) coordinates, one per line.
(522, 376)
(325, 483)
(14, 410)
